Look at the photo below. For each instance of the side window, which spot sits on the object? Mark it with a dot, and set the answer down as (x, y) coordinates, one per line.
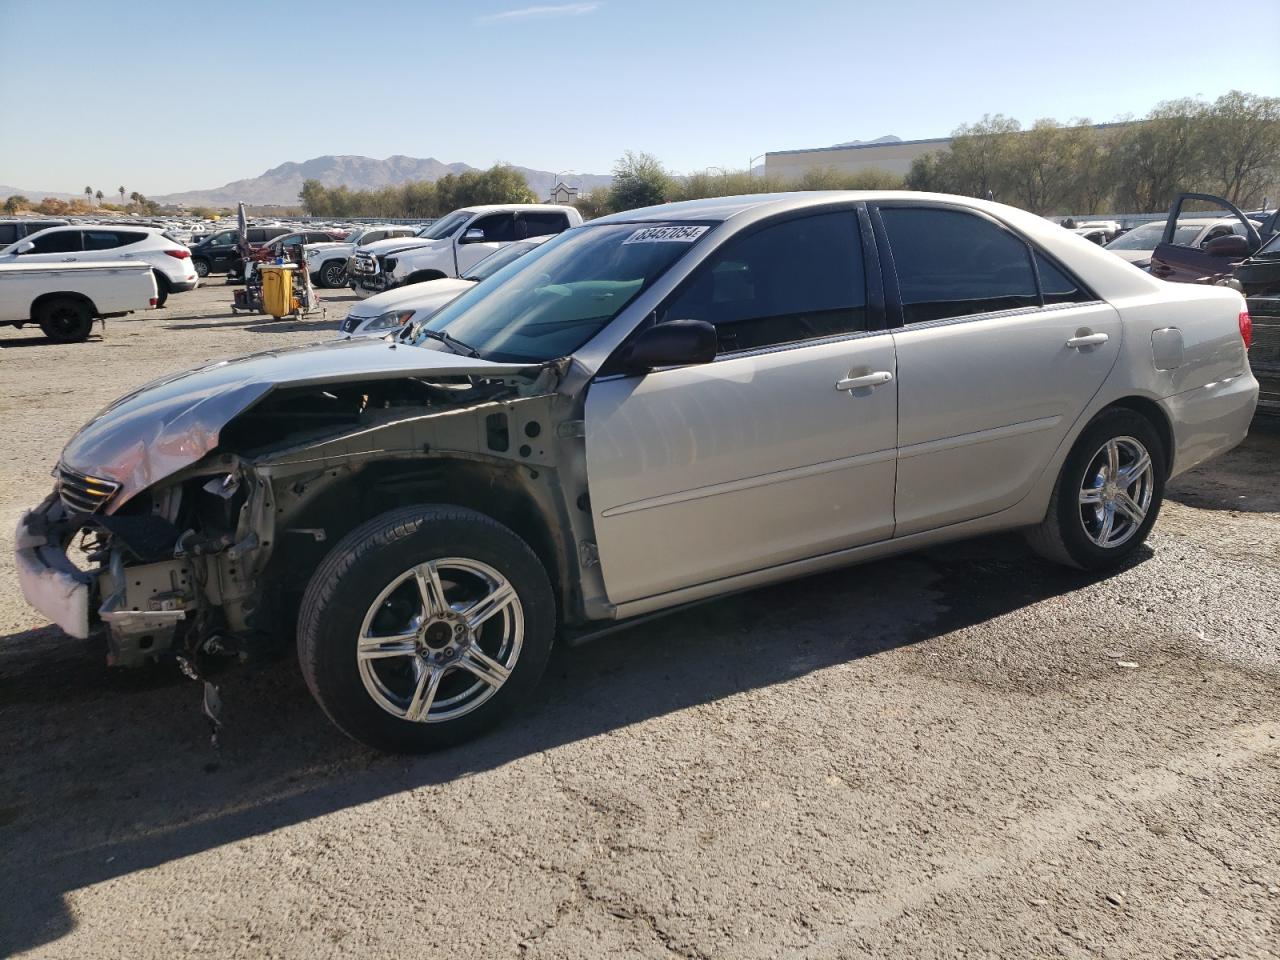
(373, 236)
(101, 240)
(955, 264)
(64, 241)
(1056, 285)
(541, 224)
(497, 227)
(8, 233)
(792, 281)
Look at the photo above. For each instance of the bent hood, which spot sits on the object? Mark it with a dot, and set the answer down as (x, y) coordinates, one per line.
(398, 243)
(172, 423)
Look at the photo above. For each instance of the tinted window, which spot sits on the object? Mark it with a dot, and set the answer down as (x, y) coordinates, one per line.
(110, 239)
(1056, 285)
(8, 233)
(541, 224)
(954, 264)
(793, 281)
(62, 241)
(498, 228)
(373, 236)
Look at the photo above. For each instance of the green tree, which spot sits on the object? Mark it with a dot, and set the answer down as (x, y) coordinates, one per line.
(16, 202)
(1243, 130)
(98, 196)
(121, 192)
(315, 198)
(639, 180)
(1161, 156)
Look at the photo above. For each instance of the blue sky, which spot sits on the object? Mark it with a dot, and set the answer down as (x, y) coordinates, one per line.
(146, 95)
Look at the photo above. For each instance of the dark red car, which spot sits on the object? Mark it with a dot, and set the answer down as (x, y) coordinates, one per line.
(1216, 258)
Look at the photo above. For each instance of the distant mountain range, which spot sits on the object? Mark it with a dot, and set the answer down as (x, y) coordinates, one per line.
(280, 185)
(866, 143)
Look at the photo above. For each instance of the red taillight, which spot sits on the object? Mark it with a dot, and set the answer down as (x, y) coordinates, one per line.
(1246, 329)
(154, 301)
(179, 254)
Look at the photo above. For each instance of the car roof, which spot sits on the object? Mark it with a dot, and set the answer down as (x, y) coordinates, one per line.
(539, 207)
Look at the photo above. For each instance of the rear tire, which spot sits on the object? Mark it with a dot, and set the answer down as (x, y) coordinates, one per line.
(65, 320)
(1105, 501)
(201, 266)
(429, 684)
(333, 275)
(162, 288)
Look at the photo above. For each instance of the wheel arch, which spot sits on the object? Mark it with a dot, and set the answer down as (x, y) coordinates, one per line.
(422, 276)
(1153, 412)
(517, 496)
(45, 298)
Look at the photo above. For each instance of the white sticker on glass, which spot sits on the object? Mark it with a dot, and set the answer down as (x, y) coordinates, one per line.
(666, 235)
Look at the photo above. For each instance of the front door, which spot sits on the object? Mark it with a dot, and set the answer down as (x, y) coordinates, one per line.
(779, 450)
(496, 231)
(61, 246)
(999, 353)
(1192, 261)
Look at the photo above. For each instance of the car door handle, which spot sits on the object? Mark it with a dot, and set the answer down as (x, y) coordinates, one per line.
(1089, 340)
(68, 259)
(867, 380)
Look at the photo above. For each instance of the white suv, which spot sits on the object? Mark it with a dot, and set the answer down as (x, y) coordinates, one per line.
(170, 261)
(455, 243)
(327, 262)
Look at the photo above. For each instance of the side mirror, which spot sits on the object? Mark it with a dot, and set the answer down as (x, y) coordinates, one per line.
(26, 247)
(1232, 245)
(676, 343)
(474, 235)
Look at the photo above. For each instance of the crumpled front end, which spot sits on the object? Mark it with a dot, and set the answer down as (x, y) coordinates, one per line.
(164, 574)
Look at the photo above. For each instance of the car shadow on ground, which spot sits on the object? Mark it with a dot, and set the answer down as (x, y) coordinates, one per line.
(110, 772)
(40, 340)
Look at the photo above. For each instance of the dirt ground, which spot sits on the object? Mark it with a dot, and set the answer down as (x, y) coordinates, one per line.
(965, 752)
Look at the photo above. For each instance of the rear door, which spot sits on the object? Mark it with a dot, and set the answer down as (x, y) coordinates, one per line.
(768, 454)
(1182, 261)
(999, 351)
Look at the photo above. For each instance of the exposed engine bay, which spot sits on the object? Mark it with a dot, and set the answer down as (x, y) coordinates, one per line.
(213, 558)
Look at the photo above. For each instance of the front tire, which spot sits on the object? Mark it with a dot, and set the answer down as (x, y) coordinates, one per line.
(424, 627)
(333, 275)
(1108, 494)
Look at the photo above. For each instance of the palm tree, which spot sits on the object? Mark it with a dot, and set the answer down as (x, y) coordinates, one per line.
(121, 189)
(99, 196)
(88, 194)
(136, 197)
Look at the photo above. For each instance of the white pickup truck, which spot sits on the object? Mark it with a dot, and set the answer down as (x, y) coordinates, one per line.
(63, 299)
(454, 244)
(327, 262)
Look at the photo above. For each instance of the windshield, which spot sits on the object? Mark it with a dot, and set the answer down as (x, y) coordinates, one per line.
(446, 227)
(1270, 248)
(550, 302)
(495, 262)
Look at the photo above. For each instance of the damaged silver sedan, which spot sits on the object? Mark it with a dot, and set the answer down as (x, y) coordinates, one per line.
(649, 410)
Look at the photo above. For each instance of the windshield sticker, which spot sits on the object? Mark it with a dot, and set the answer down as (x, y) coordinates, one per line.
(666, 235)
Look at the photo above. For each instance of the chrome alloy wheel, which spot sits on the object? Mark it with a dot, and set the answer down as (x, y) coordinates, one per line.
(1116, 492)
(440, 640)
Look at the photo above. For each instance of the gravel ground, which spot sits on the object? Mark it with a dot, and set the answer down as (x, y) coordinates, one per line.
(964, 752)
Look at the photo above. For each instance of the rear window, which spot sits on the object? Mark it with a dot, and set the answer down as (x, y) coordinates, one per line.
(8, 233)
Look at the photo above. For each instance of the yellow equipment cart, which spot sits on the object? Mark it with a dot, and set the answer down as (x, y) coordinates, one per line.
(278, 298)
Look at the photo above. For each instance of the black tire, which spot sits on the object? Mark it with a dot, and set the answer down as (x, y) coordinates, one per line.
(1064, 535)
(346, 585)
(162, 288)
(333, 274)
(65, 320)
(201, 266)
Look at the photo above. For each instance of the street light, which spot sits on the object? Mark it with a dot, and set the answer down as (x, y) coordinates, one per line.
(751, 165)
